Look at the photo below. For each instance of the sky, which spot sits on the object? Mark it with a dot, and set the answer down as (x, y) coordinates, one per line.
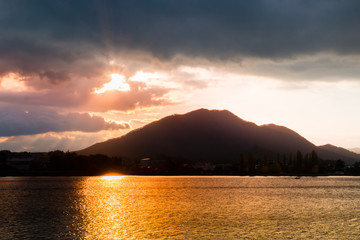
(77, 72)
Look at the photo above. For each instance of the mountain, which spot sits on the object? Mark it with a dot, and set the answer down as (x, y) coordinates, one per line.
(206, 135)
(202, 134)
(341, 153)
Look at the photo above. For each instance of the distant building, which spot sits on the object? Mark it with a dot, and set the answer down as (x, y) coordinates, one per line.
(204, 166)
(144, 163)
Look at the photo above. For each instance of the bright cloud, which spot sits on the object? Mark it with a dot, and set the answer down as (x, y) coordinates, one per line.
(12, 82)
(118, 83)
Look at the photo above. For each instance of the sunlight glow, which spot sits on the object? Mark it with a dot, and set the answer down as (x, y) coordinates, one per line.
(4, 139)
(141, 76)
(112, 176)
(13, 82)
(117, 83)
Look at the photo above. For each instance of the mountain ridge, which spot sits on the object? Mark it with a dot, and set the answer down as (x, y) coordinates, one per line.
(207, 135)
(341, 152)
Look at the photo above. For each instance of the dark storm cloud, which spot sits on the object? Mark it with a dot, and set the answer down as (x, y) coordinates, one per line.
(18, 121)
(49, 32)
(54, 76)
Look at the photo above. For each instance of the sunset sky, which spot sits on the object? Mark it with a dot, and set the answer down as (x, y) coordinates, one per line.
(77, 72)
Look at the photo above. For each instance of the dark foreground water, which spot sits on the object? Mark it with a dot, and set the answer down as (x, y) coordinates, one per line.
(180, 208)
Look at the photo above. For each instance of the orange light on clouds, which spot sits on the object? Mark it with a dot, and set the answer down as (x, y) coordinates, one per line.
(4, 139)
(13, 82)
(117, 83)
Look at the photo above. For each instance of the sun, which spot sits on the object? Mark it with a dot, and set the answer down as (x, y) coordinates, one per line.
(117, 83)
(112, 176)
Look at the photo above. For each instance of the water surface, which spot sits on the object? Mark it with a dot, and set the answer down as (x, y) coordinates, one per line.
(136, 207)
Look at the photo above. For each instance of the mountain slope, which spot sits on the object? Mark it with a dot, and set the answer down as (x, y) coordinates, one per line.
(202, 135)
(340, 153)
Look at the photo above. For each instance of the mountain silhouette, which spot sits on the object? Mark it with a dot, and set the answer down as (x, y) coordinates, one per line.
(203, 135)
(333, 152)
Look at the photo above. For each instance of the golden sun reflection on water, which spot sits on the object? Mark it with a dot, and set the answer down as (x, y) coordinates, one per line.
(218, 208)
(104, 209)
(180, 207)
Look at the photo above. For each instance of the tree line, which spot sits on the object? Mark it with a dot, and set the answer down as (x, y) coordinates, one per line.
(57, 163)
(249, 163)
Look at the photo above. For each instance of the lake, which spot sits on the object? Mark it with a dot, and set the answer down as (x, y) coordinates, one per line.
(179, 207)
